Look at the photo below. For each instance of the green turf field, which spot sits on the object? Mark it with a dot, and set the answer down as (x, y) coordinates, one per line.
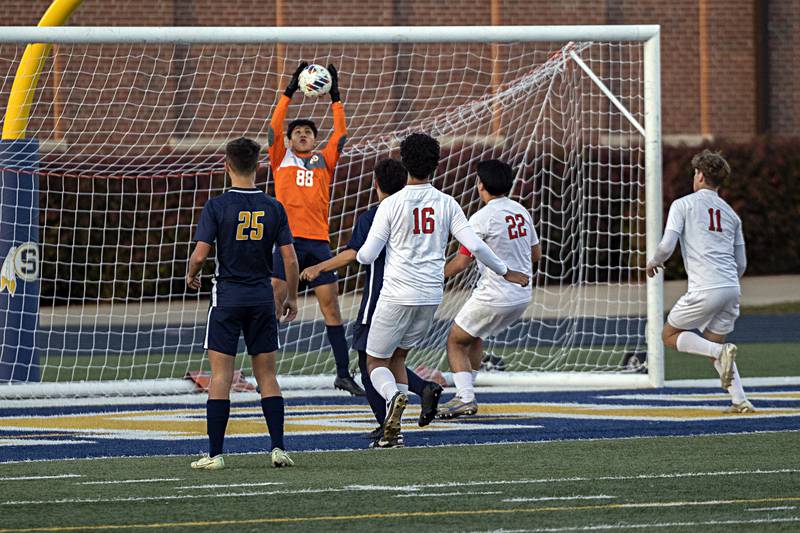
(747, 482)
(754, 360)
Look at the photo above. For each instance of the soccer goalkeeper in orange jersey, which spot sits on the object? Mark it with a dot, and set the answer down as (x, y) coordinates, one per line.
(302, 184)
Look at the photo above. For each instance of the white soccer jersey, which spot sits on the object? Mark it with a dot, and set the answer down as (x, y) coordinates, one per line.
(416, 224)
(507, 227)
(709, 231)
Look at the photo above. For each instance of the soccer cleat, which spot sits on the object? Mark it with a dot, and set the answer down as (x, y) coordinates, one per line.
(740, 408)
(430, 402)
(281, 458)
(209, 463)
(375, 434)
(348, 384)
(381, 443)
(726, 359)
(394, 415)
(457, 407)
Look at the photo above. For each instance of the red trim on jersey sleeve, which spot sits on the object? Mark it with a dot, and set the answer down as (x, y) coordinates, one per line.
(463, 251)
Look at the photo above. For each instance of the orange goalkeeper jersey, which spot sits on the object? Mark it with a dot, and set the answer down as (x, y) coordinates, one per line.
(303, 181)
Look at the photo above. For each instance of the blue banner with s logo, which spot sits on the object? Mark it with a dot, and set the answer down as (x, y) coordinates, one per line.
(19, 259)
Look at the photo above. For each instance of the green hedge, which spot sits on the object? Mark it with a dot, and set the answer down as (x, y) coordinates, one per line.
(764, 189)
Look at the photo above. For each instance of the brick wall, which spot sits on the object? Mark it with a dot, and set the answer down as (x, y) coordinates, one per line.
(729, 99)
(784, 68)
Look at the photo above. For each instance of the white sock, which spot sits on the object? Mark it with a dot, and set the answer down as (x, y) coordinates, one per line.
(384, 382)
(689, 342)
(474, 375)
(464, 387)
(403, 387)
(735, 390)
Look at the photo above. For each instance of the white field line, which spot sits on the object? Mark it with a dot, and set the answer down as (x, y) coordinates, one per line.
(168, 498)
(231, 485)
(122, 481)
(560, 498)
(781, 508)
(436, 495)
(570, 479)
(28, 478)
(605, 527)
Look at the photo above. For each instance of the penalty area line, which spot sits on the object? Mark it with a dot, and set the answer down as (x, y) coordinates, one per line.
(417, 514)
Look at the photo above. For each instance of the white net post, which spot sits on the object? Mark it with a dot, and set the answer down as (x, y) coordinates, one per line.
(131, 123)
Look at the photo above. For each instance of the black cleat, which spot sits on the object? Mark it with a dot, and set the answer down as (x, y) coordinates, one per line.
(375, 434)
(348, 384)
(430, 403)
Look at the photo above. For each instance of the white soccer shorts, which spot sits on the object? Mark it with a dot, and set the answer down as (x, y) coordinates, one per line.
(397, 326)
(483, 321)
(715, 310)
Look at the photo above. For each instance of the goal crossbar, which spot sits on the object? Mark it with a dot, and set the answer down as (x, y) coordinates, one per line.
(328, 35)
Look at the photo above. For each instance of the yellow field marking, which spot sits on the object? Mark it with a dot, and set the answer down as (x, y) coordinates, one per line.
(422, 514)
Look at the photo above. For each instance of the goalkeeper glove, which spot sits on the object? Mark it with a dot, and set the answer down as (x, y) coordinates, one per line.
(334, 92)
(294, 83)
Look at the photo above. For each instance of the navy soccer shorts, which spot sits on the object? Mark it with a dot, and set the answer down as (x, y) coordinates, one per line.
(258, 324)
(360, 334)
(309, 252)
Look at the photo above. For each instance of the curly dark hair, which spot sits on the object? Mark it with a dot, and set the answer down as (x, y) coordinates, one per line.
(391, 175)
(301, 122)
(242, 155)
(497, 177)
(713, 166)
(420, 155)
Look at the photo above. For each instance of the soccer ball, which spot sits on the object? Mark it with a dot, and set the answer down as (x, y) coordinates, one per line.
(315, 80)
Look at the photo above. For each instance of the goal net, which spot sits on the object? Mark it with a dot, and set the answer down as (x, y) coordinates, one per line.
(130, 147)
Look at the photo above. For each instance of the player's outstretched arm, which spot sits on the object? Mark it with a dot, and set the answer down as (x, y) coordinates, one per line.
(335, 145)
(378, 235)
(469, 240)
(196, 262)
(334, 263)
(289, 309)
(275, 140)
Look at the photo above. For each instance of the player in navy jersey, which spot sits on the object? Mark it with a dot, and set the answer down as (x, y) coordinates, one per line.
(245, 224)
(390, 177)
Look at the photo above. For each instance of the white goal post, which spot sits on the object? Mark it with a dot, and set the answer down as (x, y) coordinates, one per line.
(121, 146)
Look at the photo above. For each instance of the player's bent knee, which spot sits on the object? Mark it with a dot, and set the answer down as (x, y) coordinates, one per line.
(458, 336)
(376, 362)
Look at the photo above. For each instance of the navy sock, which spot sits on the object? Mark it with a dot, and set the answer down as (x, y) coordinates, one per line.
(272, 406)
(217, 414)
(415, 383)
(340, 350)
(376, 401)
